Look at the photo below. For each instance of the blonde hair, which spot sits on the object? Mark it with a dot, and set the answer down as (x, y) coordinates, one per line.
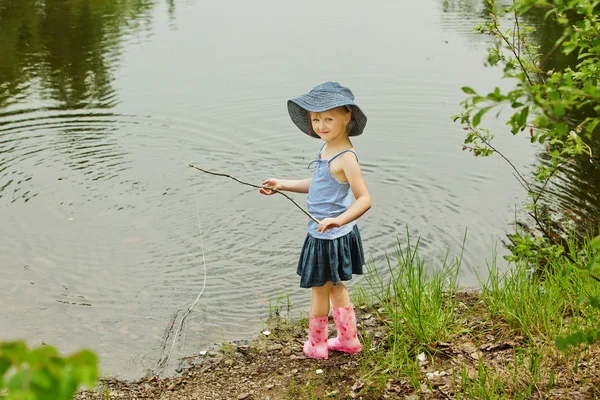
(342, 109)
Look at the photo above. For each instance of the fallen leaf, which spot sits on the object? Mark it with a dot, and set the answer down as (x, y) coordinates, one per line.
(357, 386)
(496, 346)
(436, 374)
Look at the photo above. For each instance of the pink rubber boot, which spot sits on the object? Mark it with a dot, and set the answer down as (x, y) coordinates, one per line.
(316, 345)
(347, 335)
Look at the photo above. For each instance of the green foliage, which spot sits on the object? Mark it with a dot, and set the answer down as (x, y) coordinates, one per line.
(42, 374)
(560, 109)
(541, 306)
(417, 306)
(421, 309)
(542, 101)
(420, 304)
(591, 334)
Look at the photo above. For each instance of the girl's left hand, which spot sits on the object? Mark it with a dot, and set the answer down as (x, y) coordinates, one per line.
(328, 223)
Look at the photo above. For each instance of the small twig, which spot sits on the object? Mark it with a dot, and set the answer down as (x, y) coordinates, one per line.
(527, 187)
(488, 144)
(516, 24)
(518, 31)
(556, 169)
(513, 51)
(522, 184)
(258, 187)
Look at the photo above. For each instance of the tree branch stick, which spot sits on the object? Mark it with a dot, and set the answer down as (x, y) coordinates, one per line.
(556, 169)
(258, 187)
(512, 49)
(518, 31)
(488, 144)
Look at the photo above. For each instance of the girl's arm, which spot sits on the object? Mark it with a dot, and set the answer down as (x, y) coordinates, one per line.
(361, 194)
(297, 186)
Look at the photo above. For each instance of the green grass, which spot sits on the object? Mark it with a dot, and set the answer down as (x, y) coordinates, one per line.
(298, 391)
(420, 309)
(541, 307)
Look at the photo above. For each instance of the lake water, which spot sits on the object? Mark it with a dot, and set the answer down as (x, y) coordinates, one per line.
(104, 106)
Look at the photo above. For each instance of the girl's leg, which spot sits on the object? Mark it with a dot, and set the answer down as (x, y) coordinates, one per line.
(319, 305)
(339, 296)
(345, 321)
(316, 345)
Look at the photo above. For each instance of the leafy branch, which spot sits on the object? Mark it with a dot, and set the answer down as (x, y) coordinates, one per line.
(561, 110)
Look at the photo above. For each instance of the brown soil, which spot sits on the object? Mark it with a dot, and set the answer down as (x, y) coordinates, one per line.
(274, 367)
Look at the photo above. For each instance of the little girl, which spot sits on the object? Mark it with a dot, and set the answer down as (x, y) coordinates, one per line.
(332, 250)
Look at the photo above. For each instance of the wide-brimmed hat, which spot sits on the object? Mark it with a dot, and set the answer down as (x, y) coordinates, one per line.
(322, 98)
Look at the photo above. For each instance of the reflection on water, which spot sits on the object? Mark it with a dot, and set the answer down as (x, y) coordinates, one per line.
(467, 9)
(61, 55)
(573, 196)
(65, 50)
(576, 193)
(59, 155)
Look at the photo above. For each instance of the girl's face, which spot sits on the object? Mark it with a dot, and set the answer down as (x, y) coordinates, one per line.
(330, 124)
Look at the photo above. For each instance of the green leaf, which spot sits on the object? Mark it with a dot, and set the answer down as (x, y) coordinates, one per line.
(559, 110)
(479, 115)
(562, 343)
(21, 395)
(595, 243)
(20, 380)
(86, 367)
(548, 13)
(568, 48)
(523, 116)
(562, 129)
(41, 379)
(541, 121)
(5, 365)
(468, 90)
(594, 301)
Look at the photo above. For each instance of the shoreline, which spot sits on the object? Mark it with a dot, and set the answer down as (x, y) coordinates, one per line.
(480, 359)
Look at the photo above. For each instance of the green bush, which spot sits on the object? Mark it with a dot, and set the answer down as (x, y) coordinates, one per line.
(42, 373)
(587, 335)
(558, 107)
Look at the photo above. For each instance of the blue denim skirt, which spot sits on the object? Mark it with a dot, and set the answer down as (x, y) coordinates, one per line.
(323, 260)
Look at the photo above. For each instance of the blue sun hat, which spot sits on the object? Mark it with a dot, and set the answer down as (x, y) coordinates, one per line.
(324, 97)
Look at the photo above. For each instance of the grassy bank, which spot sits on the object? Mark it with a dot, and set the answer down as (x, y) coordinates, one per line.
(422, 337)
(499, 342)
(434, 341)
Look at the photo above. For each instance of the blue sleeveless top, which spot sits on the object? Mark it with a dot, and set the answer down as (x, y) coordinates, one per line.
(328, 198)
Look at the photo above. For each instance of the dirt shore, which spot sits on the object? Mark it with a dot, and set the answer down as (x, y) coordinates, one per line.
(273, 367)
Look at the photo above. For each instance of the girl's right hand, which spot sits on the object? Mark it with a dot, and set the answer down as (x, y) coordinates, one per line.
(270, 183)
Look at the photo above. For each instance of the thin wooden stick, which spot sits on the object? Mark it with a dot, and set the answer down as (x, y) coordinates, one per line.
(258, 187)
